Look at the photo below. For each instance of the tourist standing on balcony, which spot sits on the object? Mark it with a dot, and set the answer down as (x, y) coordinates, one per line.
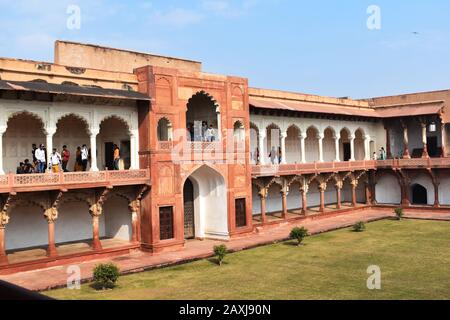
(28, 167)
(21, 168)
(40, 159)
(84, 157)
(210, 134)
(374, 156)
(382, 154)
(78, 163)
(273, 155)
(116, 157)
(55, 161)
(204, 130)
(65, 158)
(33, 151)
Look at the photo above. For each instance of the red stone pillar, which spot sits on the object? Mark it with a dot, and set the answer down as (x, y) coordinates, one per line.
(406, 154)
(134, 208)
(304, 201)
(284, 204)
(368, 194)
(263, 195)
(424, 140)
(338, 195)
(322, 189)
(354, 185)
(3, 256)
(51, 215)
(405, 195)
(96, 211)
(436, 196)
(51, 250)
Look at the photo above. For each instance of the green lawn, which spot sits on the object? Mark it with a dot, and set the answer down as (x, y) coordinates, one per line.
(414, 257)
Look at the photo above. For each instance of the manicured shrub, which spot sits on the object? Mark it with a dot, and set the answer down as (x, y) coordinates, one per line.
(299, 234)
(359, 226)
(106, 276)
(220, 252)
(399, 213)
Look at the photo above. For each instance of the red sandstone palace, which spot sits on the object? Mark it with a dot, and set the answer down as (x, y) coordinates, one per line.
(202, 155)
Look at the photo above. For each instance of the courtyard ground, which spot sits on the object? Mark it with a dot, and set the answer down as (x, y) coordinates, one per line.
(413, 256)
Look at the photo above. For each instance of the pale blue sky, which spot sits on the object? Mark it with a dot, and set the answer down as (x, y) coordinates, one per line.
(321, 47)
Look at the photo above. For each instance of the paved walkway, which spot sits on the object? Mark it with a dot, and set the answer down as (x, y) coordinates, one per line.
(54, 277)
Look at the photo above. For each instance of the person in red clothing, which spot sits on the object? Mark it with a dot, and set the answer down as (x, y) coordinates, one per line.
(65, 158)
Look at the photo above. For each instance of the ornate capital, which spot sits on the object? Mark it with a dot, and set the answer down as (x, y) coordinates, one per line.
(96, 210)
(339, 184)
(323, 186)
(134, 206)
(263, 192)
(4, 219)
(51, 214)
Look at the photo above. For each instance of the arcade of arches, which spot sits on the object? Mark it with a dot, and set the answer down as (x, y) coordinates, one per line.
(285, 197)
(294, 145)
(24, 128)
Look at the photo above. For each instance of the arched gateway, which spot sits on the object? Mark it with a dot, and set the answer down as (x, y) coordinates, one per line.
(205, 205)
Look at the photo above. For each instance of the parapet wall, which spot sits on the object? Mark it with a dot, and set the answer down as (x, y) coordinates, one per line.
(117, 60)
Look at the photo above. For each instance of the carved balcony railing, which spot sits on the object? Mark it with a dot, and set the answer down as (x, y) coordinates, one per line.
(414, 163)
(312, 168)
(72, 180)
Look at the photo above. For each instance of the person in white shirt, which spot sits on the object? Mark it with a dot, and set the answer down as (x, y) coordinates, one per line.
(84, 156)
(40, 158)
(210, 134)
(55, 161)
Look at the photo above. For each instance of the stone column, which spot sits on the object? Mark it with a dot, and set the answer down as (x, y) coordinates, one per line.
(406, 154)
(284, 203)
(339, 186)
(51, 215)
(322, 189)
(2, 131)
(49, 145)
(436, 195)
(354, 184)
(93, 139)
(368, 193)
(262, 151)
(304, 192)
(4, 219)
(134, 208)
(96, 211)
(424, 140)
(337, 137)
(352, 147)
(263, 196)
(283, 147)
(303, 137)
(367, 148)
(320, 138)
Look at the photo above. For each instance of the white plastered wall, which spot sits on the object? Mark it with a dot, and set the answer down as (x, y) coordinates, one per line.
(27, 227)
(210, 204)
(387, 190)
(117, 218)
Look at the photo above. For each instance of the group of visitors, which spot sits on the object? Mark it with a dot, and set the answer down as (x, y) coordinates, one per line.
(205, 133)
(275, 155)
(59, 161)
(382, 156)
